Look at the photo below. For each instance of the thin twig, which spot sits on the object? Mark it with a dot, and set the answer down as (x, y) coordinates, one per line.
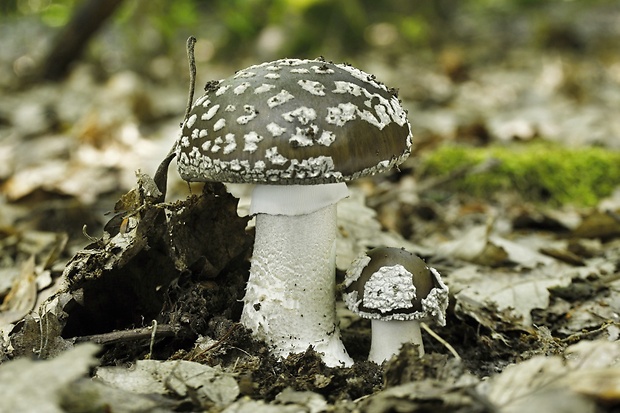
(161, 174)
(441, 340)
(584, 334)
(191, 42)
(134, 334)
(153, 335)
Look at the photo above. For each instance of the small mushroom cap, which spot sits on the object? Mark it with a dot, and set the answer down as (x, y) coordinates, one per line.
(292, 121)
(394, 284)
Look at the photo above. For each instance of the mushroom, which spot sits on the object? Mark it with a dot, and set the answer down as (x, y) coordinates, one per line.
(396, 290)
(298, 129)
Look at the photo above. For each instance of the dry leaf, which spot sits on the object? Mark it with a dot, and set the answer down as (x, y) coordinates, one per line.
(494, 296)
(475, 246)
(37, 386)
(22, 297)
(210, 385)
(588, 372)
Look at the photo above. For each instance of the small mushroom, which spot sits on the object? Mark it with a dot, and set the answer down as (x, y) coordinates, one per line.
(396, 290)
(298, 129)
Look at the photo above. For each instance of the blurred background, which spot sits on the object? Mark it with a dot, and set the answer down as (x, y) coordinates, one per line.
(149, 36)
(94, 90)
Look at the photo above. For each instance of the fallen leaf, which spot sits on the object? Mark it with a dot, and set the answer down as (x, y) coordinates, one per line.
(475, 246)
(495, 297)
(23, 294)
(311, 402)
(37, 386)
(210, 385)
(586, 373)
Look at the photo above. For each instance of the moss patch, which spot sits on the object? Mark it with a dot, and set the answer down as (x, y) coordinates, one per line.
(540, 172)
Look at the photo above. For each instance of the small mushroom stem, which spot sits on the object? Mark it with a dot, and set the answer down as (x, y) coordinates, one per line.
(387, 337)
(290, 295)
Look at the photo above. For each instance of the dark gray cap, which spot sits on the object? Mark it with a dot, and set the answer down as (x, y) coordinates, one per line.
(394, 284)
(294, 122)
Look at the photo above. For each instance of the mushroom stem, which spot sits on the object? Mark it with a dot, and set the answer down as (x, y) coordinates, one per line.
(290, 295)
(388, 337)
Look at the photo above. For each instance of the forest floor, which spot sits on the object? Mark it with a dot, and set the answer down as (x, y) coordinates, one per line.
(89, 255)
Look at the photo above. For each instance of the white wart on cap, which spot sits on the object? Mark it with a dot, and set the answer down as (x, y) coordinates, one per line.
(295, 122)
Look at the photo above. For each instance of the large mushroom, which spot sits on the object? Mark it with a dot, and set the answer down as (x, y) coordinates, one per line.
(298, 129)
(396, 290)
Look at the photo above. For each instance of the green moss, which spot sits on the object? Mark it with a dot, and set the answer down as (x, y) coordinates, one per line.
(540, 172)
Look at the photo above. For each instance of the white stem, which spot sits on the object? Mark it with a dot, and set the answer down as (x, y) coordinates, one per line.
(290, 296)
(389, 336)
(295, 199)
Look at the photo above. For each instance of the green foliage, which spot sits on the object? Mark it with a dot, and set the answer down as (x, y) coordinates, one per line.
(540, 172)
(180, 13)
(414, 28)
(53, 13)
(253, 30)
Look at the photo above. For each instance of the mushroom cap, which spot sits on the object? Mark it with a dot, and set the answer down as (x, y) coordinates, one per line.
(394, 284)
(294, 122)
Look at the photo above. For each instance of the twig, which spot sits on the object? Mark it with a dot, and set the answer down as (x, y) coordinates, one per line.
(161, 175)
(441, 340)
(153, 335)
(583, 334)
(191, 42)
(134, 334)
